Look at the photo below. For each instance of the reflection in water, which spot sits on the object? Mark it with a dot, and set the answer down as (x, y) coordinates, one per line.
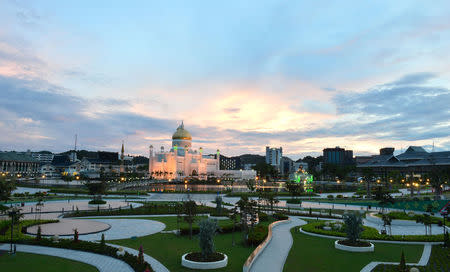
(205, 188)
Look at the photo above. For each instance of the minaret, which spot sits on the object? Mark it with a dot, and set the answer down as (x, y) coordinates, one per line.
(122, 157)
(218, 160)
(150, 158)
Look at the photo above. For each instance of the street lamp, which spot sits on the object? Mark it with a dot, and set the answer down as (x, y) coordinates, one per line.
(12, 214)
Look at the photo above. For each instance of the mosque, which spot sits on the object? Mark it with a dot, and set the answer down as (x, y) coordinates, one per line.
(183, 161)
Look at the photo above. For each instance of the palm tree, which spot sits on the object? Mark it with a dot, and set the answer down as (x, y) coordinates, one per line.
(387, 220)
(425, 219)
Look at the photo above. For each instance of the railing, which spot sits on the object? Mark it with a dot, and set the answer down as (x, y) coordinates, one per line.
(248, 264)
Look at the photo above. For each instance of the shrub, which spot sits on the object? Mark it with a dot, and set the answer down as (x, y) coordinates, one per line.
(140, 258)
(280, 216)
(353, 226)
(39, 233)
(257, 235)
(97, 202)
(75, 235)
(330, 196)
(263, 217)
(339, 196)
(102, 241)
(206, 235)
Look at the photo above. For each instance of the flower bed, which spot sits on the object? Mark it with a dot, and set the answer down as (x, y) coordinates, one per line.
(199, 263)
(197, 257)
(370, 233)
(360, 246)
(93, 247)
(150, 208)
(97, 202)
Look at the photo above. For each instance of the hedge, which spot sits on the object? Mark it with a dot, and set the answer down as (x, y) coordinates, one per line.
(405, 216)
(370, 233)
(93, 247)
(257, 235)
(149, 208)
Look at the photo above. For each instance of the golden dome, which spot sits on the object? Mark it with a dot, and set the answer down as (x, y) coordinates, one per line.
(181, 134)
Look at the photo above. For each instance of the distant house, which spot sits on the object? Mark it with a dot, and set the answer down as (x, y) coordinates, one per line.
(415, 160)
(18, 163)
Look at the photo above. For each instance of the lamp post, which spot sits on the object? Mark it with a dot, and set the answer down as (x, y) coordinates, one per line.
(12, 214)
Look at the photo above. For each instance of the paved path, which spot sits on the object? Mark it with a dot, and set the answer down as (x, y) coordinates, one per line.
(422, 262)
(274, 256)
(157, 266)
(125, 229)
(101, 262)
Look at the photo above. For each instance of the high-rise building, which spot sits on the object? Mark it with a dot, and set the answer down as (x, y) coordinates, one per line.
(337, 155)
(273, 157)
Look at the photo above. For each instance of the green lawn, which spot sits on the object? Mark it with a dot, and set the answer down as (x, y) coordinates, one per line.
(311, 254)
(168, 249)
(171, 221)
(439, 262)
(40, 263)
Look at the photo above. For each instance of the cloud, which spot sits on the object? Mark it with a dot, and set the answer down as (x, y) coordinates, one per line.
(404, 109)
(417, 78)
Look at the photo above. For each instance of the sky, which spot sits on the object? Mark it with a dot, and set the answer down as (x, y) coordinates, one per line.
(304, 75)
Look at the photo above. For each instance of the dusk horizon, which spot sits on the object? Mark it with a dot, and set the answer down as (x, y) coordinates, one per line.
(242, 76)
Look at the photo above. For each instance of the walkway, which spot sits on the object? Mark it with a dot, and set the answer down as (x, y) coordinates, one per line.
(102, 262)
(274, 256)
(155, 264)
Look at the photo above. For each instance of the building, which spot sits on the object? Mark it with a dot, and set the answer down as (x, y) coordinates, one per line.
(230, 163)
(274, 156)
(286, 166)
(18, 163)
(42, 157)
(300, 165)
(103, 163)
(338, 156)
(414, 161)
(183, 161)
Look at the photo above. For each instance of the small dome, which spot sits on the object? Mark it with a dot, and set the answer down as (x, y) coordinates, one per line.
(181, 134)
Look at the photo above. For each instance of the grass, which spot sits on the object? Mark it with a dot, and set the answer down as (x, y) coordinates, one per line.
(171, 221)
(314, 254)
(168, 249)
(41, 263)
(439, 262)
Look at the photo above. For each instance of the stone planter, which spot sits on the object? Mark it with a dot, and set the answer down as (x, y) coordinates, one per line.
(218, 217)
(203, 265)
(101, 206)
(289, 205)
(370, 248)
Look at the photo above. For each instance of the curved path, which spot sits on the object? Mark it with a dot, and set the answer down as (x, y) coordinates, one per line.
(274, 256)
(101, 262)
(125, 229)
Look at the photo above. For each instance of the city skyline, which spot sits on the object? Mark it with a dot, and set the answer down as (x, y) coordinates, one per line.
(361, 76)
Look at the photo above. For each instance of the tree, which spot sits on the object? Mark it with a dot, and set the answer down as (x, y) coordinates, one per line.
(402, 266)
(437, 179)
(190, 209)
(387, 220)
(270, 198)
(383, 197)
(353, 226)
(233, 217)
(97, 189)
(368, 176)
(294, 188)
(207, 231)
(251, 187)
(7, 185)
(219, 205)
(426, 220)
